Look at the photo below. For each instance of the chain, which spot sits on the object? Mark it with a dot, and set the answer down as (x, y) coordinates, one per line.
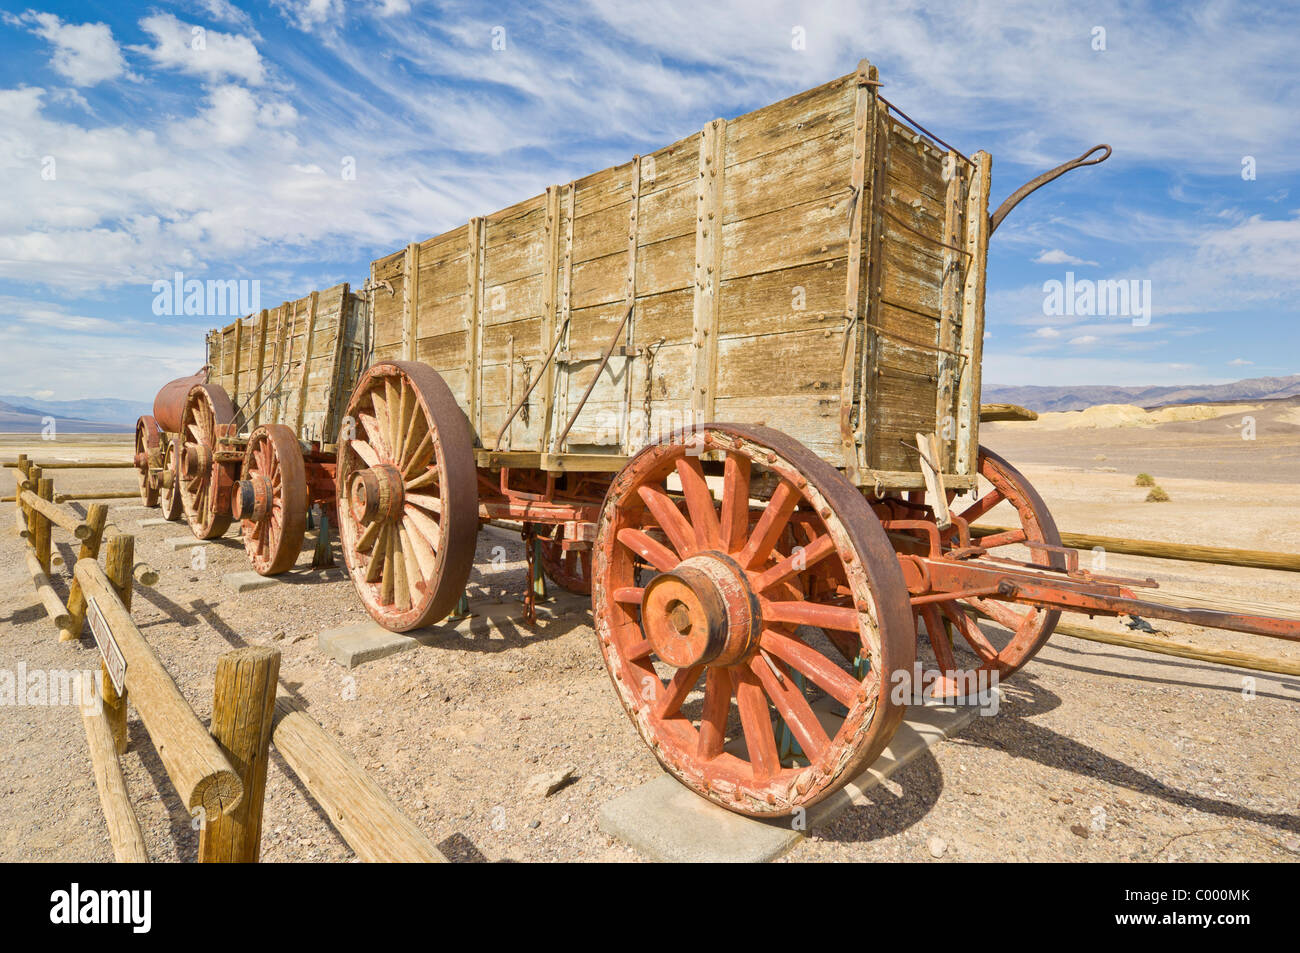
(649, 381)
(528, 375)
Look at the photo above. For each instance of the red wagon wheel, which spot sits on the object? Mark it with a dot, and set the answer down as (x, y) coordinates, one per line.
(169, 498)
(205, 483)
(1018, 631)
(270, 499)
(147, 446)
(407, 495)
(570, 569)
(727, 607)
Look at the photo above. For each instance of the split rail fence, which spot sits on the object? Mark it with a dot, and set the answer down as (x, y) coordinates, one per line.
(219, 772)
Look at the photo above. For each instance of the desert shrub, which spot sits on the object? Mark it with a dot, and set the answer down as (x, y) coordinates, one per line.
(1144, 479)
(1157, 495)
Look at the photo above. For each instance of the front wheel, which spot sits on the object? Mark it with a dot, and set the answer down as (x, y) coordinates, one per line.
(711, 631)
(407, 495)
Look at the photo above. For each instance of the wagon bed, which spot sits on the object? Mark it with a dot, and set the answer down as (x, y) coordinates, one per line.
(295, 364)
(816, 265)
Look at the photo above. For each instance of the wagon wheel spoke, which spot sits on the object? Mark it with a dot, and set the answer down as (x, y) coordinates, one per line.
(792, 706)
(756, 724)
(823, 672)
(969, 630)
(734, 521)
(770, 525)
(1001, 613)
(655, 553)
(670, 520)
(982, 505)
(679, 686)
(699, 503)
(713, 718)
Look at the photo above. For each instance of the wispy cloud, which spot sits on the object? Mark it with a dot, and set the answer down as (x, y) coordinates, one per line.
(84, 53)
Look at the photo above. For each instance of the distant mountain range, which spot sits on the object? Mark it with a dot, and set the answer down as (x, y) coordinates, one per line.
(106, 415)
(1078, 397)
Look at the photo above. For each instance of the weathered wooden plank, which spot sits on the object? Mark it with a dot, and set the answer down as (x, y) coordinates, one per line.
(261, 365)
(792, 299)
(306, 363)
(972, 339)
(559, 407)
(411, 302)
(473, 319)
(864, 111)
(950, 303)
(633, 222)
(708, 268)
(783, 124)
(869, 412)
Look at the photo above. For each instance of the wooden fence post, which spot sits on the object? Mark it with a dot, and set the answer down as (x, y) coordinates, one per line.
(117, 566)
(20, 478)
(96, 517)
(243, 706)
(38, 526)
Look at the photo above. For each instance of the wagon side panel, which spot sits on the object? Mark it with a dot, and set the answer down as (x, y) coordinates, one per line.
(786, 206)
(511, 336)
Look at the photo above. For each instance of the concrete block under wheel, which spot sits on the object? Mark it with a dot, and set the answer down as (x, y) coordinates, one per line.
(247, 581)
(353, 645)
(663, 820)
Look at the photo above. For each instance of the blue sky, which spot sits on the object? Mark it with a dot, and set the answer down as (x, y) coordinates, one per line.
(227, 161)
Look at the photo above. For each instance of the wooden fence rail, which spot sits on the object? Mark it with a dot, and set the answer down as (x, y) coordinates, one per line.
(1158, 549)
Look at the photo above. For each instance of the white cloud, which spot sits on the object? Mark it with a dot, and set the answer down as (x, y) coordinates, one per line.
(1240, 362)
(388, 8)
(223, 11)
(1008, 369)
(1058, 257)
(1084, 340)
(306, 15)
(1047, 333)
(233, 115)
(206, 53)
(84, 53)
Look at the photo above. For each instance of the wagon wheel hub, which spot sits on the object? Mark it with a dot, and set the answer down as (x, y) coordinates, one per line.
(195, 461)
(376, 494)
(252, 498)
(702, 612)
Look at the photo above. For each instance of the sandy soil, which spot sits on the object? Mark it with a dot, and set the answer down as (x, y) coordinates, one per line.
(1097, 753)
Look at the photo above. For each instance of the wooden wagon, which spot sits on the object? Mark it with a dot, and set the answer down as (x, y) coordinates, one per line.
(731, 389)
(253, 436)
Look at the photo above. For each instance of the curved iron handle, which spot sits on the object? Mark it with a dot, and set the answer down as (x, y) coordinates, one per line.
(1037, 183)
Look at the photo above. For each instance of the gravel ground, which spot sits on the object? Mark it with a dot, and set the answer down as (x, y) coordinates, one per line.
(1097, 753)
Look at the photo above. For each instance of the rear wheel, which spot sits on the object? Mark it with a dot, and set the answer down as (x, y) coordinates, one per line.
(1015, 633)
(270, 499)
(569, 568)
(407, 495)
(169, 496)
(205, 483)
(718, 636)
(148, 453)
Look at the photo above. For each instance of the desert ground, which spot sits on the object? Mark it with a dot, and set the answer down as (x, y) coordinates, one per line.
(1097, 752)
